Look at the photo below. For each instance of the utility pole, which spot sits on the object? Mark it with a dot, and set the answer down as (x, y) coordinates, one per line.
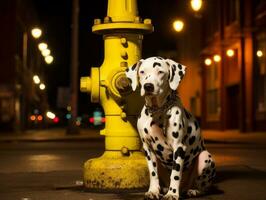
(72, 128)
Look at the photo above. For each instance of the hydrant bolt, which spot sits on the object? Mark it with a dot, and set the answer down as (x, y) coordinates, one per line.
(123, 42)
(97, 21)
(147, 21)
(107, 19)
(137, 19)
(124, 54)
(123, 64)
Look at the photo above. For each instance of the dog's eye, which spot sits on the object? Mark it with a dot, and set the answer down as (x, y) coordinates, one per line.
(160, 72)
(141, 72)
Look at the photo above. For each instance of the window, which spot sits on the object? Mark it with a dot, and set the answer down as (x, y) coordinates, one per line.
(232, 11)
(213, 92)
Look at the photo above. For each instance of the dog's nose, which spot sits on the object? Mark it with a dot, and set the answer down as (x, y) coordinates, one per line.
(148, 87)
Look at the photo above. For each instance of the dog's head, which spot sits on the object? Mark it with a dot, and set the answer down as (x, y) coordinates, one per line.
(155, 75)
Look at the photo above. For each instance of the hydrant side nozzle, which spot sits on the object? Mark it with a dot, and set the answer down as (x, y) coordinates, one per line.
(85, 84)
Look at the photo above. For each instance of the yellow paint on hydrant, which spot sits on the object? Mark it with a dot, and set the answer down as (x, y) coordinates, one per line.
(122, 165)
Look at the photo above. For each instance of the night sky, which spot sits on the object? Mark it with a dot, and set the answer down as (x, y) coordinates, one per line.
(55, 19)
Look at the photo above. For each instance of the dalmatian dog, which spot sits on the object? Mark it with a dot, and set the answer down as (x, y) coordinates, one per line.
(170, 135)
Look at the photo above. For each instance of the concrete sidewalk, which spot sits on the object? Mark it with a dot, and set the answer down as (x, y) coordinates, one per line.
(53, 134)
(59, 134)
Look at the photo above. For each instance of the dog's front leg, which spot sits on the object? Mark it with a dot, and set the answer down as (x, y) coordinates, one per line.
(154, 189)
(176, 173)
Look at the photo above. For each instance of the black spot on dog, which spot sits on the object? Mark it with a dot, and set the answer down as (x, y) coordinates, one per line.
(206, 161)
(148, 157)
(175, 134)
(152, 123)
(152, 140)
(179, 66)
(154, 164)
(143, 140)
(189, 129)
(191, 140)
(179, 153)
(176, 178)
(169, 116)
(156, 138)
(160, 147)
(176, 166)
(180, 126)
(181, 74)
(153, 173)
(174, 190)
(173, 72)
(159, 153)
(209, 156)
(146, 112)
(146, 153)
(170, 188)
(127, 69)
(174, 67)
(156, 63)
(187, 114)
(134, 66)
(177, 112)
(196, 125)
(146, 130)
(175, 124)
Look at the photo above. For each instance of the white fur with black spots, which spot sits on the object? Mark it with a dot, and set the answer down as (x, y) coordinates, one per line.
(170, 134)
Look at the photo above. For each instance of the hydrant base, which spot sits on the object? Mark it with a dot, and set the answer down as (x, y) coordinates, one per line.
(115, 171)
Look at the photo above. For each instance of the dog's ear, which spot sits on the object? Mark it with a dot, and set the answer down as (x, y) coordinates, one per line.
(132, 74)
(176, 73)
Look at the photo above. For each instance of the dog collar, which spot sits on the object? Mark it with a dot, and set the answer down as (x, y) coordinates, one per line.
(166, 106)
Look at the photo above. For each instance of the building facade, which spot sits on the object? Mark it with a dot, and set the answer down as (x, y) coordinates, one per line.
(19, 61)
(234, 86)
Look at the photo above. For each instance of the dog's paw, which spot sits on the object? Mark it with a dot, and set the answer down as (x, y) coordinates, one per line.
(152, 195)
(193, 193)
(171, 197)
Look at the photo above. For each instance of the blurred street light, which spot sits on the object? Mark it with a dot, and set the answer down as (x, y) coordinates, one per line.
(217, 58)
(42, 86)
(230, 53)
(50, 115)
(259, 53)
(178, 25)
(42, 46)
(46, 52)
(36, 33)
(196, 5)
(208, 61)
(49, 59)
(36, 79)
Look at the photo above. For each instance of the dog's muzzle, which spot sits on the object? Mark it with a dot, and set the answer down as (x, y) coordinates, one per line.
(149, 87)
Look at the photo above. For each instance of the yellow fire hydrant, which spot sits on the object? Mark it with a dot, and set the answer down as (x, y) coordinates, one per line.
(122, 165)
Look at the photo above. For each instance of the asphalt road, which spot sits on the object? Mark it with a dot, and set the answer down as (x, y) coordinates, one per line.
(53, 170)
